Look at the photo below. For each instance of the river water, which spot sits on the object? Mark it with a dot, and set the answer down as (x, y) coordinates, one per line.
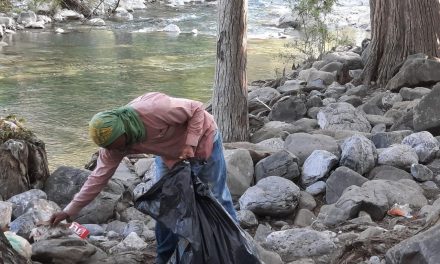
(57, 82)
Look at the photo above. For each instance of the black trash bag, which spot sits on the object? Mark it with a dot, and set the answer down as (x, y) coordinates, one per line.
(184, 204)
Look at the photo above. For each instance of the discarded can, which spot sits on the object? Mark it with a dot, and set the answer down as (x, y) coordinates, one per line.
(80, 230)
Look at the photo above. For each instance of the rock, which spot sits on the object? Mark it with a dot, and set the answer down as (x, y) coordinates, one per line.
(97, 22)
(361, 90)
(122, 15)
(142, 166)
(342, 116)
(327, 101)
(304, 218)
(21, 201)
(352, 60)
(434, 166)
(94, 229)
(421, 172)
(430, 189)
(386, 139)
(264, 94)
(27, 17)
(316, 188)
(288, 20)
(123, 175)
(7, 22)
(358, 154)
(417, 70)
(317, 166)
(374, 105)
(273, 129)
(425, 145)
(427, 112)
(400, 156)
(377, 119)
(60, 250)
(389, 99)
(247, 219)
(132, 213)
(282, 163)
(292, 86)
(293, 244)
(409, 94)
(405, 122)
(314, 101)
(240, 169)
(6, 214)
(315, 75)
(38, 25)
(272, 144)
(288, 109)
(116, 226)
(261, 233)
(386, 172)
(302, 145)
(354, 100)
(306, 201)
(374, 197)
(100, 210)
(370, 232)
(133, 226)
(339, 180)
(66, 14)
(421, 248)
(273, 196)
(334, 66)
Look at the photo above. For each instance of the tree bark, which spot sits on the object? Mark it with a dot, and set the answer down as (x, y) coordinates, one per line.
(400, 28)
(229, 104)
(23, 166)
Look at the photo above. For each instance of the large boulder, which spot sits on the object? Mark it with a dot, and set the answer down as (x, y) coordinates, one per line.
(288, 109)
(358, 154)
(400, 156)
(339, 180)
(273, 129)
(294, 244)
(343, 116)
(317, 166)
(21, 201)
(386, 172)
(258, 97)
(421, 248)
(352, 60)
(425, 145)
(240, 169)
(374, 197)
(418, 70)
(427, 113)
(386, 139)
(273, 196)
(409, 94)
(282, 163)
(302, 145)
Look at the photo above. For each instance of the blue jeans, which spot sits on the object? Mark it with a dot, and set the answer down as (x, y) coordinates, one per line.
(213, 173)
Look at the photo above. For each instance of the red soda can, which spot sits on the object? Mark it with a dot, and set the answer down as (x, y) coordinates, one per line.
(79, 230)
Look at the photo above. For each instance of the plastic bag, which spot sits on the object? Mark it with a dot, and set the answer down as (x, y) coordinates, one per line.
(19, 244)
(184, 204)
(400, 210)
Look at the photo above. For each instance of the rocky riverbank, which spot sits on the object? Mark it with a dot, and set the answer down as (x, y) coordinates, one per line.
(333, 173)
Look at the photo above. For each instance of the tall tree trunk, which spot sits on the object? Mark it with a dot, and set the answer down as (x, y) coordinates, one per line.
(229, 104)
(400, 28)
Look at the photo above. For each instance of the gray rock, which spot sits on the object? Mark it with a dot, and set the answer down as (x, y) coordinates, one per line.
(374, 197)
(326, 77)
(339, 180)
(288, 109)
(240, 169)
(124, 175)
(374, 105)
(354, 100)
(430, 189)
(291, 86)
(358, 154)
(421, 172)
(282, 163)
(264, 94)
(334, 66)
(122, 15)
(134, 226)
(314, 101)
(142, 166)
(409, 94)
(271, 196)
(304, 218)
(273, 129)
(386, 172)
(27, 17)
(261, 233)
(247, 219)
(421, 248)
(386, 139)
(272, 144)
(5, 216)
(293, 244)
(316, 188)
(427, 112)
(434, 166)
(97, 22)
(379, 128)
(425, 145)
(302, 145)
(94, 229)
(361, 90)
(21, 201)
(131, 243)
(61, 250)
(400, 156)
(377, 119)
(335, 90)
(352, 60)
(417, 70)
(306, 201)
(116, 226)
(100, 210)
(317, 166)
(132, 213)
(343, 116)
(389, 99)
(328, 101)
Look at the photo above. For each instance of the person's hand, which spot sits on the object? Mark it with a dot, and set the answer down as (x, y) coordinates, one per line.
(187, 152)
(57, 217)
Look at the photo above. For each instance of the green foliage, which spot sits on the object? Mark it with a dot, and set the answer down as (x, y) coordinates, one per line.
(316, 38)
(12, 127)
(5, 5)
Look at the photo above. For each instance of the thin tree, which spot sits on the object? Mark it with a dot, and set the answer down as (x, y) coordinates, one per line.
(229, 103)
(400, 28)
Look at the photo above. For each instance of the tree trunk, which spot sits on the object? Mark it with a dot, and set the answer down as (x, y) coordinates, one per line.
(23, 166)
(400, 28)
(7, 254)
(78, 6)
(229, 104)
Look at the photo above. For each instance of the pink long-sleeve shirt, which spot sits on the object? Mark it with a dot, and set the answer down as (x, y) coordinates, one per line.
(170, 123)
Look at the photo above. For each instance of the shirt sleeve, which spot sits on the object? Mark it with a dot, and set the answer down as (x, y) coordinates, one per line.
(107, 164)
(180, 111)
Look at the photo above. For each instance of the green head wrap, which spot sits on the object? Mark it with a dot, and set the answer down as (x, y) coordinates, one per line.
(105, 127)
